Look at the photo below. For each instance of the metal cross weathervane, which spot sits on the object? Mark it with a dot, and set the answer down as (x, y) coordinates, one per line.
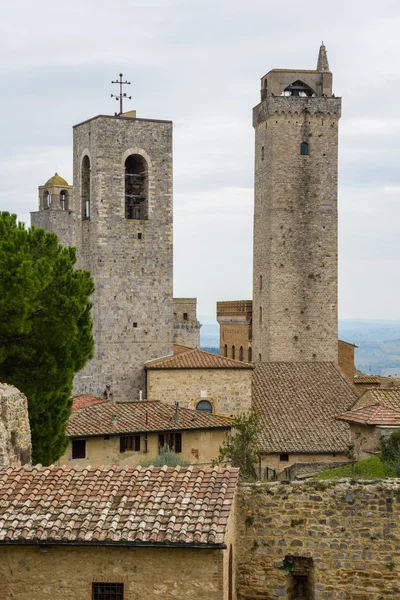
(121, 94)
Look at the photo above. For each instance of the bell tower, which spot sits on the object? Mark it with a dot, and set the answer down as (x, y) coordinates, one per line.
(295, 216)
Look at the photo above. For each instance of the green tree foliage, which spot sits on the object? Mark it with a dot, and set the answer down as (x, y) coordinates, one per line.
(45, 328)
(166, 457)
(390, 451)
(241, 448)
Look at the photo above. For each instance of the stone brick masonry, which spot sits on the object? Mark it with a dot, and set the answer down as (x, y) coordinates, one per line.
(345, 535)
(15, 435)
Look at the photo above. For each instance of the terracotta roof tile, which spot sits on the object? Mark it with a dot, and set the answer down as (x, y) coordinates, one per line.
(374, 414)
(131, 417)
(387, 396)
(194, 358)
(366, 379)
(126, 505)
(84, 400)
(298, 403)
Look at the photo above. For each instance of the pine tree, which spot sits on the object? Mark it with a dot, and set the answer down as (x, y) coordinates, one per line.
(45, 328)
(241, 448)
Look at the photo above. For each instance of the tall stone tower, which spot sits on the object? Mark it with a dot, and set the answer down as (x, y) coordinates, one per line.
(122, 229)
(295, 216)
(55, 209)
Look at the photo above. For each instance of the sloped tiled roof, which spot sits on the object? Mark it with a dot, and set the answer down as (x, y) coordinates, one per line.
(84, 400)
(366, 379)
(387, 396)
(194, 358)
(375, 414)
(131, 417)
(118, 505)
(298, 403)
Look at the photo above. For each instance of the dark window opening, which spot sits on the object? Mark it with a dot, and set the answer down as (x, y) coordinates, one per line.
(185, 316)
(259, 357)
(134, 324)
(46, 200)
(64, 200)
(136, 187)
(299, 88)
(304, 149)
(204, 406)
(241, 356)
(260, 283)
(260, 314)
(107, 591)
(300, 578)
(139, 236)
(78, 448)
(262, 152)
(233, 351)
(226, 350)
(128, 443)
(284, 457)
(250, 354)
(172, 440)
(106, 437)
(85, 187)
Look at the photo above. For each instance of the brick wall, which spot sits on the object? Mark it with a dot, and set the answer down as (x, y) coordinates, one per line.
(348, 533)
(346, 360)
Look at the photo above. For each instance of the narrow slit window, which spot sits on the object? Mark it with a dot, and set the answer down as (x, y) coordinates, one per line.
(226, 350)
(85, 187)
(233, 351)
(262, 152)
(304, 149)
(241, 356)
(250, 354)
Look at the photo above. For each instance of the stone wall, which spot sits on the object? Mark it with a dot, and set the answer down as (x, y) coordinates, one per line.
(186, 325)
(60, 222)
(27, 573)
(228, 390)
(295, 229)
(335, 540)
(15, 434)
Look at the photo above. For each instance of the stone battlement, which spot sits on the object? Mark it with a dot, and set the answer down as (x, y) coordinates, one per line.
(288, 105)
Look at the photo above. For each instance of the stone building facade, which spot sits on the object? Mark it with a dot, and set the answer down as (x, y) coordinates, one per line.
(186, 325)
(120, 220)
(15, 433)
(295, 216)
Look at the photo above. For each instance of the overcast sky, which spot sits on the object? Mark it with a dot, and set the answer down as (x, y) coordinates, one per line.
(199, 63)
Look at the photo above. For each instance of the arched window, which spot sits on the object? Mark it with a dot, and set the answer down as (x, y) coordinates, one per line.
(136, 187)
(85, 187)
(204, 406)
(226, 350)
(250, 354)
(233, 351)
(46, 200)
(304, 149)
(64, 200)
(298, 88)
(241, 353)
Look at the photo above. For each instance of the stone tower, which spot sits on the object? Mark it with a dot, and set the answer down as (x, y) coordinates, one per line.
(122, 229)
(55, 209)
(295, 216)
(186, 326)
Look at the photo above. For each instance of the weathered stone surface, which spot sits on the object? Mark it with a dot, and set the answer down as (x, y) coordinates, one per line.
(15, 434)
(350, 531)
(186, 325)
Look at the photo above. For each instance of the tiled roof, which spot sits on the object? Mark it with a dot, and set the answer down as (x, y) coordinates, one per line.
(298, 403)
(375, 414)
(366, 379)
(84, 400)
(178, 348)
(131, 417)
(387, 396)
(55, 180)
(194, 358)
(127, 505)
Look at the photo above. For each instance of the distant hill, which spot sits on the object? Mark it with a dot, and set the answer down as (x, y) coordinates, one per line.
(378, 342)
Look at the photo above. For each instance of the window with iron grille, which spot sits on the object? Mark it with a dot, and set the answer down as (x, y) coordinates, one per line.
(107, 591)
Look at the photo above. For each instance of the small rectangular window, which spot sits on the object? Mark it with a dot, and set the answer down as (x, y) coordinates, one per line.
(78, 448)
(134, 324)
(185, 316)
(128, 443)
(137, 443)
(139, 236)
(107, 591)
(284, 457)
(178, 443)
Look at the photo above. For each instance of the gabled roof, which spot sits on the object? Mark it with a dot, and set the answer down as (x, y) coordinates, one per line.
(374, 414)
(194, 358)
(298, 403)
(387, 396)
(84, 400)
(139, 417)
(184, 506)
